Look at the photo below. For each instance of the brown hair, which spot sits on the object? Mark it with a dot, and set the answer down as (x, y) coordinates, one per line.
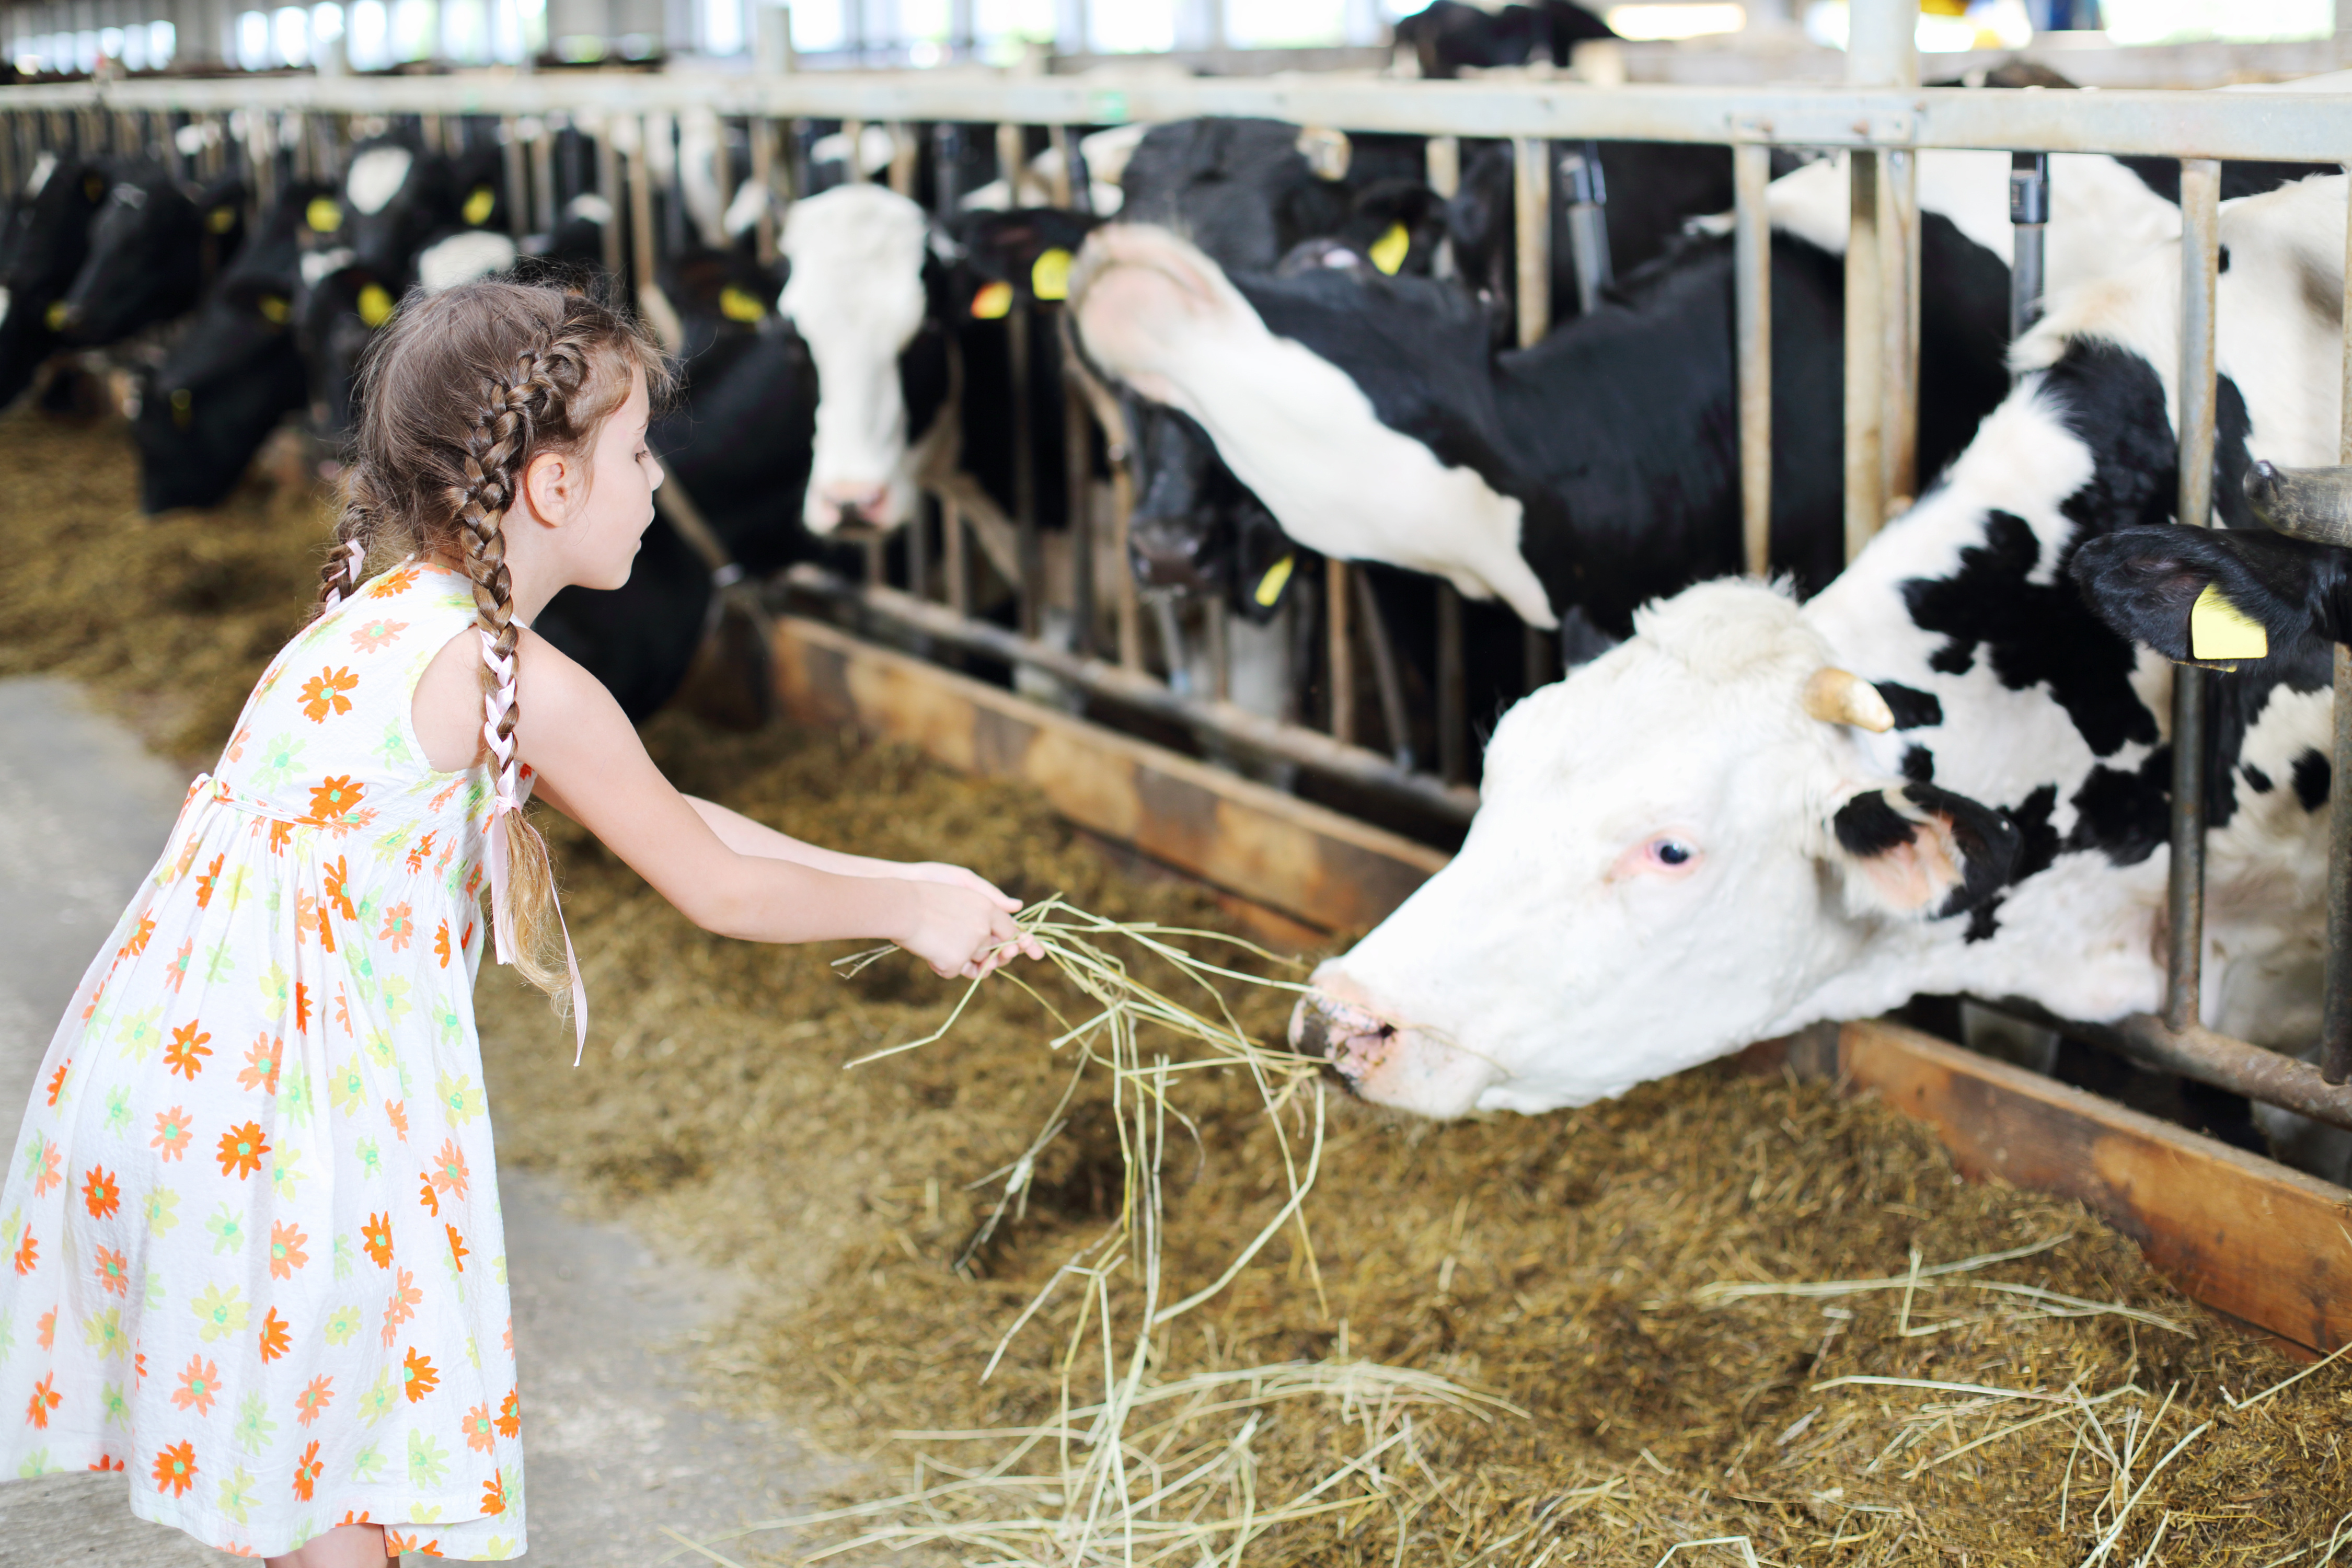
(455, 398)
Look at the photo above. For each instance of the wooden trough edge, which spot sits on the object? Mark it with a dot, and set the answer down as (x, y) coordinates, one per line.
(1312, 865)
(2248, 1237)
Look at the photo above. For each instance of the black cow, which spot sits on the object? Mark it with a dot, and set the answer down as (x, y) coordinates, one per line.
(1447, 35)
(46, 241)
(145, 256)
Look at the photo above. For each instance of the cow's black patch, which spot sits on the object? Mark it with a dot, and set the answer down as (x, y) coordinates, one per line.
(2123, 815)
(2257, 780)
(1988, 842)
(2232, 429)
(1920, 765)
(2037, 847)
(2225, 259)
(2240, 177)
(1867, 825)
(1912, 709)
(2312, 776)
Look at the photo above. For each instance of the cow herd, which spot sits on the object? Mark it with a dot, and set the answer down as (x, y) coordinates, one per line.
(1941, 769)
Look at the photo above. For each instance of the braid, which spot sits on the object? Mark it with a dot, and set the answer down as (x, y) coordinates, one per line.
(355, 527)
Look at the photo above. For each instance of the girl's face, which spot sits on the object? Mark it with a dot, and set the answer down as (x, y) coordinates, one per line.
(600, 539)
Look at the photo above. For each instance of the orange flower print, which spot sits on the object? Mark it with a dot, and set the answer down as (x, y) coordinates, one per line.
(47, 1175)
(199, 1386)
(99, 1193)
(426, 1199)
(208, 881)
(441, 944)
(337, 877)
(398, 1114)
(45, 1332)
(286, 1253)
(237, 745)
(301, 1007)
(494, 1495)
(399, 1306)
(177, 970)
(28, 1253)
(334, 799)
(187, 1046)
(305, 1472)
(57, 1082)
(326, 932)
(46, 1399)
(281, 834)
(276, 1338)
(352, 1517)
(449, 1169)
(171, 1134)
(323, 694)
(175, 1468)
(395, 1544)
(417, 857)
(107, 1462)
(261, 1059)
(138, 942)
(113, 1272)
(377, 634)
(481, 1429)
(417, 1377)
(458, 1250)
(312, 1402)
(510, 1415)
(390, 584)
(398, 927)
(241, 1149)
(377, 1235)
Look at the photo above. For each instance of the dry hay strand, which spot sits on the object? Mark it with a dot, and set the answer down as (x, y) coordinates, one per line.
(1562, 1262)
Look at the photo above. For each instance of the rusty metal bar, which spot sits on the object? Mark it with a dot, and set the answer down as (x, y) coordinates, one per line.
(2029, 219)
(1012, 156)
(956, 545)
(608, 185)
(641, 213)
(2336, 1014)
(852, 136)
(510, 154)
(2200, 244)
(1340, 650)
(1751, 173)
(1216, 634)
(1898, 263)
(542, 179)
(1531, 213)
(906, 156)
(1386, 678)
(1866, 331)
(1243, 731)
(1078, 490)
(762, 132)
(2197, 1052)
(1453, 700)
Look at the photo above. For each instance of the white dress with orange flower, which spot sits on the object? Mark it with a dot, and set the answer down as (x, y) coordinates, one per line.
(252, 1253)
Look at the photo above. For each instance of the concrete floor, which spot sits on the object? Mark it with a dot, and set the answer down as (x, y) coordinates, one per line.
(615, 1450)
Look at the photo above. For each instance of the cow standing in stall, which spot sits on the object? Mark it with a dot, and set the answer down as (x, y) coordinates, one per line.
(1942, 775)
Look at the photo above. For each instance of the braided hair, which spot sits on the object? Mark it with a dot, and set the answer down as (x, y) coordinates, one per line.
(456, 397)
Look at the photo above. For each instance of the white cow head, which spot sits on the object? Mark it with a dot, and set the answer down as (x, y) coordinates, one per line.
(857, 297)
(1680, 850)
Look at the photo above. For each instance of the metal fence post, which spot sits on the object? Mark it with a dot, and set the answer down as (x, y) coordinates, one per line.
(2029, 217)
(1881, 51)
(1752, 171)
(608, 185)
(1443, 159)
(1531, 212)
(1341, 653)
(1898, 234)
(2201, 242)
(2335, 1018)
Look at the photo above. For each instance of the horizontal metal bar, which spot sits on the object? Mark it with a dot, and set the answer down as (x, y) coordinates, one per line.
(1237, 727)
(2310, 127)
(2197, 1052)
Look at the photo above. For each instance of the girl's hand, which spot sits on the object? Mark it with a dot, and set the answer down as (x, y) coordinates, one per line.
(959, 931)
(957, 877)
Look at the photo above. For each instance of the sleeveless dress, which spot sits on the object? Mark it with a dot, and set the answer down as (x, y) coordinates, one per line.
(250, 1249)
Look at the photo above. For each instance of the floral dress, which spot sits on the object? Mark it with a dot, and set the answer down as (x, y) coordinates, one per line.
(250, 1250)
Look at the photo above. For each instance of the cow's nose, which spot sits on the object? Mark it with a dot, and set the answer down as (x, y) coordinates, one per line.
(1350, 1040)
(1169, 558)
(854, 501)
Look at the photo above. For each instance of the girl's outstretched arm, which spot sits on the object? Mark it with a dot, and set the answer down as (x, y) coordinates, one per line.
(591, 766)
(745, 836)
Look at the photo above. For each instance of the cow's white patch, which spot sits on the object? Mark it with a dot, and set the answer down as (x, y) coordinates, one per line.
(1159, 316)
(318, 266)
(462, 258)
(5, 300)
(856, 296)
(743, 212)
(589, 206)
(376, 177)
(38, 180)
(1524, 977)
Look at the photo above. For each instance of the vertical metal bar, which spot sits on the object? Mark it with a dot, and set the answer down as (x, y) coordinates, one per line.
(958, 549)
(1751, 173)
(1063, 187)
(906, 158)
(2029, 219)
(947, 157)
(763, 176)
(1442, 161)
(1898, 238)
(518, 177)
(1452, 699)
(1216, 630)
(1865, 329)
(542, 179)
(853, 131)
(1386, 679)
(1531, 213)
(641, 211)
(1012, 156)
(1340, 648)
(2335, 1017)
(1588, 224)
(1032, 557)
(722, 170)
(1077, 486)
(2201, 242)
(608, 185)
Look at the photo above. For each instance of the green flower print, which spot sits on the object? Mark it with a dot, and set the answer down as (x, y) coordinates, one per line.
(36, 1463)
(236, 1497)
(218, 963)
(227, 1228)
(117, 1407)
(343, 1321)
(155, 1295)
(219, 1313)
(428, 1461)
(342, 1266)
(117, 1110)
(347, 1087)
(394, 747)
(276, 991)
(394, 992)
(279, 760)
(367, 1464)
(102, 1332)
(138, 1033)
(286, 1171)
(379, 1048)
(380, 1400)
(162, 1206)
(371, 1158)
(459, 1098)
(295, 1099)
(254, 1426)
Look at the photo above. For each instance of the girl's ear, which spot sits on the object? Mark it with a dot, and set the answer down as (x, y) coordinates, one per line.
(549, 489)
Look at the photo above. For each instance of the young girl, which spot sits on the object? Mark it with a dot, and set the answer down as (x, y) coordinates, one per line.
(252, 1233)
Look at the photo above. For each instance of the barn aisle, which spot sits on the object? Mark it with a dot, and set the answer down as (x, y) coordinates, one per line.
(618, 1447)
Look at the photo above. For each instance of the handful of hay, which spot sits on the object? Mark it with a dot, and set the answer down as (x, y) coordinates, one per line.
(1132, 1468)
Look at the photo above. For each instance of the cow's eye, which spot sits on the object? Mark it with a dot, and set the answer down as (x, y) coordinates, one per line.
(1671, 852)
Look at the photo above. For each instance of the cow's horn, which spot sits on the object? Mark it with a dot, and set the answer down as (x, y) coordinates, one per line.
(2314, 504)
(1841, 697)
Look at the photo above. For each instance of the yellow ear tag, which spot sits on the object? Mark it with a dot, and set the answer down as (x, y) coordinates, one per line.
(56, 317)
(1387, 252)
(1049, 278)
(374, 305)
(993, 302)
(324, 214)
(737, 305)
(1277, 578)
(183, 404)
(220, 220)
(477, 206)
(274, 308)
(2218, 629)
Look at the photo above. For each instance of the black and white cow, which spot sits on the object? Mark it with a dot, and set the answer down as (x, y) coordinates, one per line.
(1447, 35)
(145, 264)
(42, 247)
(1942, 775)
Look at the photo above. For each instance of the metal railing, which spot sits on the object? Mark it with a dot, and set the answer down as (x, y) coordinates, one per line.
(1880, 120)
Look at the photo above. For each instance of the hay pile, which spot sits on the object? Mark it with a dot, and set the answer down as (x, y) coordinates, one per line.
(1575, 1265)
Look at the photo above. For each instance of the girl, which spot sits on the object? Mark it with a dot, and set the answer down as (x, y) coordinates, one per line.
(252, 1233)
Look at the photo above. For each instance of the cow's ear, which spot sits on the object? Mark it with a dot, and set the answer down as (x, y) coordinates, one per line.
(1914, 849)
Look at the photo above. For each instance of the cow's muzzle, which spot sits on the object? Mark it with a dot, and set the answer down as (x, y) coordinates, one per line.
(1176, 557)
(1351, 1041)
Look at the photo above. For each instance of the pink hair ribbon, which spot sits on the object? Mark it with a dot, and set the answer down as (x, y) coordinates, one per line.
(506, 802)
